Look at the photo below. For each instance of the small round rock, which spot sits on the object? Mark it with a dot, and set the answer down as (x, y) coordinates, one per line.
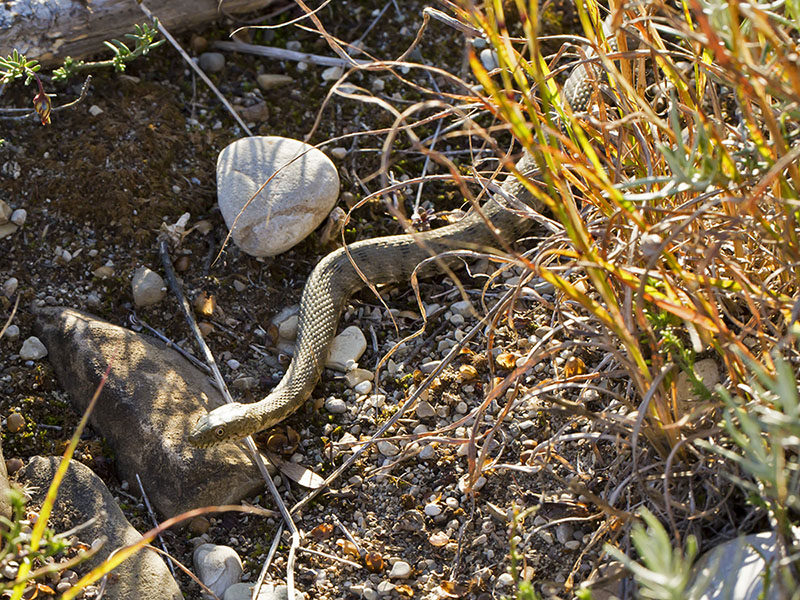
(148, 287)
(12, 333)
(303, 188)
(15, 422)
(505, 580)
(388, 448)
(19, 216)
(365, 387)
(212, 62)
(432, 509)
(335, 406)
(400, 570)
(218, 567)
(32, 349)
(10, 286)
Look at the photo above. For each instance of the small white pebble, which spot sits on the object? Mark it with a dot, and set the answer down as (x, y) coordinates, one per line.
(234, 364)
(12, 333)
(457, 319)
(95, 110)
(335, 406)
(504, 580)
(428, 452)
(400, 570)
(10, 286)
(32, 349)
(338, 153)
(19, 216)
(432, 509)
(425, 410)
(176, 189)
(365, 387)
(332, 73)
(388, 448)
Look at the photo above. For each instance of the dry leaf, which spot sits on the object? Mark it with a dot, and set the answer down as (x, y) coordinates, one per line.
(452, 589)
(439, 539)
(506, 360)
(348, 548)
(574, 366)
(468, 372)
(283, 442)
(322, 531)
(205, 305)
(296, 472)
(373, 561)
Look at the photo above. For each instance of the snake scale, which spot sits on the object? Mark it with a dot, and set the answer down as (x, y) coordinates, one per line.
(381, 260)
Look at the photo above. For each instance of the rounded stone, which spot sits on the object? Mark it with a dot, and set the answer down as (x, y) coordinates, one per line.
(303, 188)
(212, 62)
(32, 349)
(400, 570)
(218, 567)
(148, 287)
(388, 448)
(12, 333)
(365, 387)
(19, 216)
(10, 286)
(335, 406)
(15, 422)
(346, 349)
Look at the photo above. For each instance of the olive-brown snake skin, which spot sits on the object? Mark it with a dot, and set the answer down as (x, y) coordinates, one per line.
(381, 260)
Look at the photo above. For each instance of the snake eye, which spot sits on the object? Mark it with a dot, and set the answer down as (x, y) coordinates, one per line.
(219, 432)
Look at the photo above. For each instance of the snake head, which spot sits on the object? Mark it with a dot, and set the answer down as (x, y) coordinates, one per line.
(230, 422)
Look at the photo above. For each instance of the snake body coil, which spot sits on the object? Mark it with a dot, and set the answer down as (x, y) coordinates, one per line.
(381, 260)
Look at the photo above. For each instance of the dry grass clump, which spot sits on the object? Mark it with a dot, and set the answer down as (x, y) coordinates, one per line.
(677, 200)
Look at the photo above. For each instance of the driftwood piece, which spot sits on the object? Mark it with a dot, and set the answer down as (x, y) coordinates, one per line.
(50, 30)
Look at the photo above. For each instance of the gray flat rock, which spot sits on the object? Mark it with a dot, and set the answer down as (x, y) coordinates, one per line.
(153, 396)
(82, 496)
(296, 200)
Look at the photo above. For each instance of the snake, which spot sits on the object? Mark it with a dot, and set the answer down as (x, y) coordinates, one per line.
(380, 261)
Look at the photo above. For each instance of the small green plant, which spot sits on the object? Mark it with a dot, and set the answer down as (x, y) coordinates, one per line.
(763, 426)
(664, 572)
(144, 38)
(16, 65)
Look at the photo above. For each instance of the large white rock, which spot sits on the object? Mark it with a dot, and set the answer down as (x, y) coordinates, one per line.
(736, 568)
(293, 203)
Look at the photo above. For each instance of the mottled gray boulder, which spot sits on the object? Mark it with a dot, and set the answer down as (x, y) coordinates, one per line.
(82, 496)
(293, 203)
(152, 398)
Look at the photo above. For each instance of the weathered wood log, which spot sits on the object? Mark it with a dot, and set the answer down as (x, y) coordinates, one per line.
(50, 30)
